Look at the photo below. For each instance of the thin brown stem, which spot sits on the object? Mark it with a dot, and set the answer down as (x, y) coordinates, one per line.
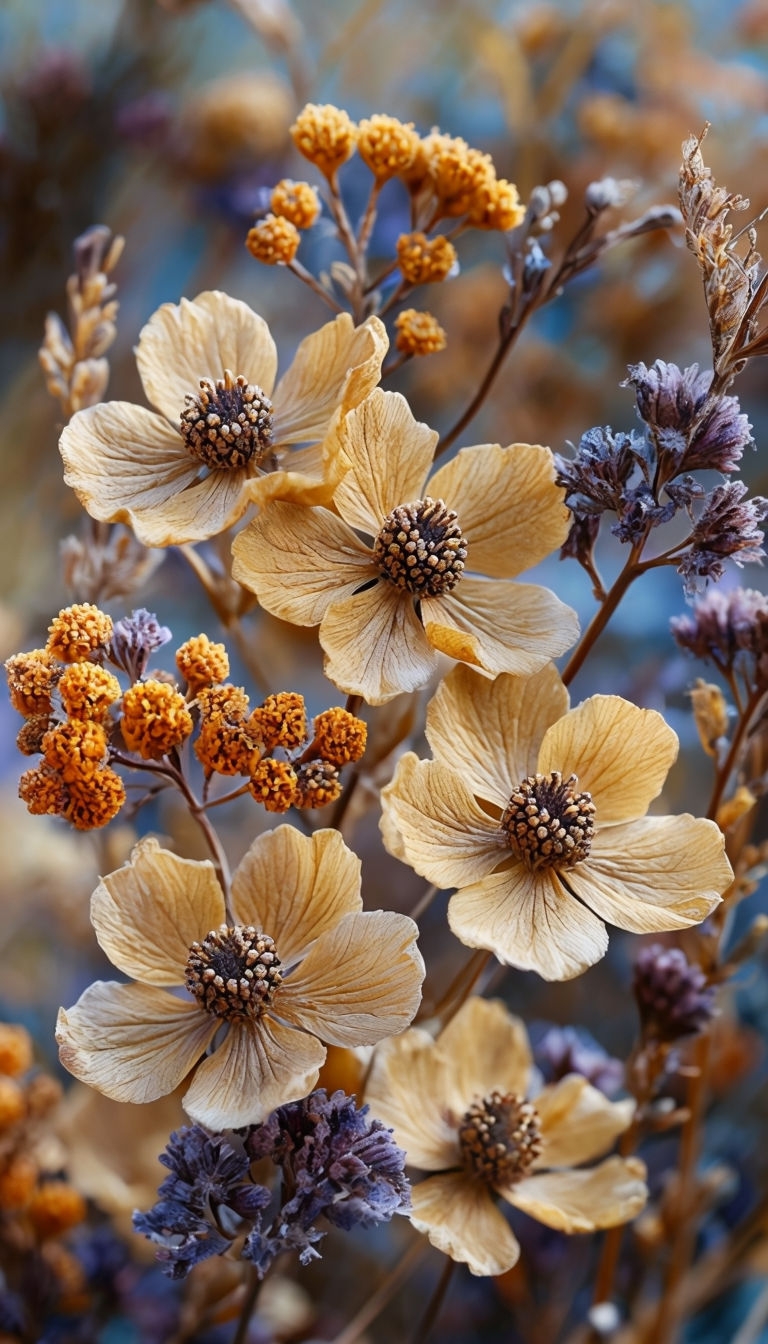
(384, 1293)
(489, 378)
(461, 986)
(308, 278)
(632, 569)
(737, 741)
(435, 1303)
(248, 1306)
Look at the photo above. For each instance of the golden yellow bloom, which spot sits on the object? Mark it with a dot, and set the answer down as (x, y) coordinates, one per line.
(32, 678)
(458, 174)
(424, 260)
(339, 737)
(419, 333)
(15, 1049)
(223, 436)
(459, 1107)
(54, 1207)
(92, 805)
(77, 749)
(325, 135)
(202, 663)
(155, 719)
(496, 206)
(273, 784)
(317, 784)
(78, 631)
(387, 605)
(17, 1182)
(273, 241)
(43, 791)
(295, 201)
(230, 701)
(225, 747)
(280, 722)
(311, 965)
(13, 1105)
(387, 146)
(87, 691)
(536, 813)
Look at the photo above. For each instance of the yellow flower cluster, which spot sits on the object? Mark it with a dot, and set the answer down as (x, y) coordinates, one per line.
(424, 260)
(273, 241)
(155, 719)
(419, 333)
(202, 663)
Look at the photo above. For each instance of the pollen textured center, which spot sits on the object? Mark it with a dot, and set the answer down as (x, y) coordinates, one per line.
(500, 1138)
(234, 972)
(227, 424)
(421, 548)
(548, 822)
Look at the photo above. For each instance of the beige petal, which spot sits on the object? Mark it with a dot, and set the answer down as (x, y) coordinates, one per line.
(375, 644)
(510, 510)
(203, 510)
(333, 369)
(389, 453)
(148, 913)
(528, 920)
(132, 1042)
(578, 1122)
(296, 887)
(360, 982)
(200, 338)
(500, 626)
(489, 732)
(255, 1069)
(444, 835)
(461, 1219)
(653, 874)
(408, 1088)
(308, 476)
(487, 1050)
(298, 561)
(619, 753)
(119, 458)
(583, 1201)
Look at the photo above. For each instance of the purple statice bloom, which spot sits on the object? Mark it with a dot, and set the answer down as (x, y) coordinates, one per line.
(672, 994)
(727, 528)
(134, 639)
(691, 431)
(564, 1050)
(729, 629)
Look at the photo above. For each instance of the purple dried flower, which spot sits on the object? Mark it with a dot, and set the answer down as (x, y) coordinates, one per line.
(672, 994)
(134, 639)
(595, 479)
(563, 1050)
(730, 630)
(726, 529)
(689, 434)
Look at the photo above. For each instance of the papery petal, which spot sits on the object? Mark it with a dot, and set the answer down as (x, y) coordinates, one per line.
(333, 369)
(500, 626)
(461, 1219)
(148, 913)
(375, 644)
(445, 836)
(389, 454)
(258, 1067)
(200, 338)
(619, 753)
(298, 561)
(487, 1050)
(132, 1042)
(509, 508)
(202, 510)
(489, 732)
(296, 887)
(582, 1201)
(407, 1088)
(578, 1122)
(528, 920)
(655, 873)
(361, 980)
(306, 476)
(119, 458)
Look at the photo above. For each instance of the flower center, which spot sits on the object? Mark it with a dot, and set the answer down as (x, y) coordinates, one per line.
(421, 547)
(500, 1138)
(548, 822)
(227, 423)
(234, 972)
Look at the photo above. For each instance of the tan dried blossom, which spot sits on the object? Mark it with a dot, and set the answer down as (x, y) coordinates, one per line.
(312, 968)
(458, 174)
(295, 201)
(387, 146)
(101, 568)
(32, 679)
(325, 135)
(424, 260)
(419, 333)
(273, 241)
(76, 371)
(273, 784)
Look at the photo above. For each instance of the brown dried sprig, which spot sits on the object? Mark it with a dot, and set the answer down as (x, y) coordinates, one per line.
(72, 356)
(735, 283)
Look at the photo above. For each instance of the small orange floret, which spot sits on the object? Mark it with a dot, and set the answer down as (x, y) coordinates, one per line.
(273, 784)
(273, 241)
(32, 678)
(295, 201)
(202, 663)
(325, 135)
(15, 1049)
(419, 333)
(317, 784)
(339, 737)
(18, 1179)
(76, 749)
(78, 631)
(13, 1105)
(423, 260)
(387, 146)
(94, 804)
(280, 722)
(55, 1206)
(87, 691)
(155, 719)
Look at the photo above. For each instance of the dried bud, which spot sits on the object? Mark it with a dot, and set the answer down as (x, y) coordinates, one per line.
(672, 994)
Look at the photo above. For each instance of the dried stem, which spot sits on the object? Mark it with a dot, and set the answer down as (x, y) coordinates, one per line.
(384, 1293)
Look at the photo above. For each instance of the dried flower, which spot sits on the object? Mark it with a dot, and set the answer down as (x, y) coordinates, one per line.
(273, 784)
(32, 679)
(388, 605)
(458, 1106)
(537, 815)
(338, 736)
(280, 722)
(692, 431)
(672, 994)
(87, 691)
(564, 1050)
(155, 719)
(134, 639)
(727, 528)
(419, 333)
(274, 240)
(729, 629)
(295, 201)
(201, 662)
(79, 632)
(325, 135)
(424, 260)
(296, 962)
(387, 146)
(317, 784)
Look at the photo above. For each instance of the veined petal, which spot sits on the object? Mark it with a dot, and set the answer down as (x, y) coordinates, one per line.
(148, 913)
(202, 510)
(655, 873)
(296, 887)
(119, 457)
(461, 1219)
(375, 644)
(445, 836)
(389, 454)
(200, 338)
(509, 508)
(489, 732)
(485, 1050)
(582, 1201)
(132, 1042)
(298, 561)
(407, 1089)
(528, 920)
(333, 369)
(307, 476)
(361, 980)
(619, 753)
(498, 626)
(258, 1067)
(578, 1122)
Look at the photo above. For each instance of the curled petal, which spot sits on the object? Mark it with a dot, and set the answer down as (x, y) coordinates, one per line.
(500, 626)
(333, 369)
(461, 1219)
(375, 644)
(582, 1201)
(258, 1067)
(578, 1122)
(388, 454)
(406, 1088)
